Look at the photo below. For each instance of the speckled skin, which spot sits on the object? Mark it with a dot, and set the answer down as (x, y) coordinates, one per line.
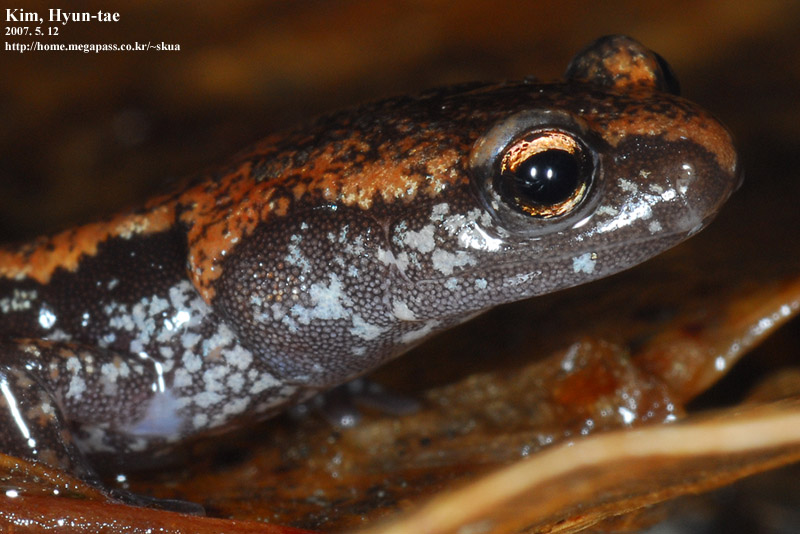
(325, 251)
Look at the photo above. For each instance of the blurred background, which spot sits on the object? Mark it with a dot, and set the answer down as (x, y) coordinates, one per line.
(84, 134)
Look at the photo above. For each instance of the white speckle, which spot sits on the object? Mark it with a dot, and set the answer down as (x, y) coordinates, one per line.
(77, 387)
(469, 231)
(439, 211)
(422, 240)
(584, 263)
(264, 382)
(290, 323)
(108, 378)
(206, 399)
(654, 227)
(355, 246)
(222, 337)
(73, 364)
(178, 295)
(475, 237)
(191, 362)
(189, 340)
(401, 262)
(655, 188)
(386, 256)
(520, 279)
(158, 305)
(200, 420)
(328, 302)
(236, 381)
(451, 284)
(634, 210)
(611, 211)
(445, 262)
(47, 408)
(236, 406)
(213, 378)
(295, 257)
(238, 357)
(112, 284)
(20, 300)
(628, 186)
(58, 335)
(46, 318)
(278, 311)
(343, 233)
(399, 233)
(181, 318)
(456, 223)
(401, 310)
(182, 378)
(365, 330)
(136, 346)
(720, 363)
(480, 283)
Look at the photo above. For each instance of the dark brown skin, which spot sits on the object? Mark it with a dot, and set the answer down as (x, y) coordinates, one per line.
(327, 250)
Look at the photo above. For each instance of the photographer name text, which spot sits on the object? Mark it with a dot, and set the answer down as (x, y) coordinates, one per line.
(60, 16)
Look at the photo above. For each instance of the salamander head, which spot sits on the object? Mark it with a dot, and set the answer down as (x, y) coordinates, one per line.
(373, 228)
(575, 181)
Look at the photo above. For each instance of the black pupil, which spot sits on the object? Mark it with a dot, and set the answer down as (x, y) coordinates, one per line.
(547, 178)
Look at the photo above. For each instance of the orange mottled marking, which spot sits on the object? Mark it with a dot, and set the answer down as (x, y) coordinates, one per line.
(221, 214)
(649, 123)
(379, 180)
(40, 258)
(631, 69)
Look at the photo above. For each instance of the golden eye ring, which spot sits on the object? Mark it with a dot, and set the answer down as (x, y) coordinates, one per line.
(544, 174)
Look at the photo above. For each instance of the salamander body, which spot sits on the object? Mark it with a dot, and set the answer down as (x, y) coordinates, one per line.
(325, 251)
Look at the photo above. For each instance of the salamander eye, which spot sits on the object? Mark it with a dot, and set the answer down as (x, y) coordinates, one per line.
(538, 171)
(544, 174)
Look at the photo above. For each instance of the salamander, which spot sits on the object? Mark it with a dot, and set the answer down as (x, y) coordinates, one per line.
(322, 252)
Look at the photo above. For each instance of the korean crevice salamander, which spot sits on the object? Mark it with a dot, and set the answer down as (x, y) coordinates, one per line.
(325, 251)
